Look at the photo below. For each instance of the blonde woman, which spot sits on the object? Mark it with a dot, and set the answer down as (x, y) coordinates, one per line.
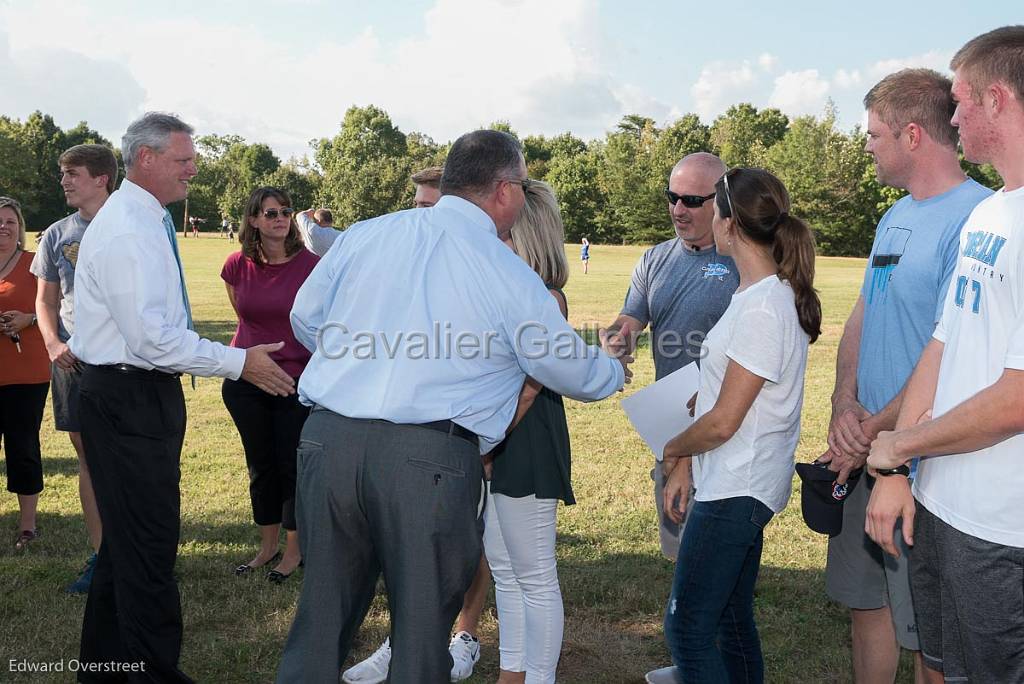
(531, 473)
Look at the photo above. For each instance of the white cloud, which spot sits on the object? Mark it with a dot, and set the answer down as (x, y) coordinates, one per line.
(846, 80)
(935, 59)
(63, 84)
(465, 69)
(719, 85)
(863, 77)
(800, 92)
(768, 61)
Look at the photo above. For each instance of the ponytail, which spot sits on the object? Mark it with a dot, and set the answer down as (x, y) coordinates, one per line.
(793, 250)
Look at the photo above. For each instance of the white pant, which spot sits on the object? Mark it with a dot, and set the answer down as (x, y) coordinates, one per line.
(519, 540)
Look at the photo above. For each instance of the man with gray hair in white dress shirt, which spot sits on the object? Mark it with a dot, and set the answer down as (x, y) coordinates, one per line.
(423, 327)
(133, 333)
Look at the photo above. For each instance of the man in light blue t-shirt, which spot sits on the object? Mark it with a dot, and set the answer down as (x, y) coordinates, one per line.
(914, 253)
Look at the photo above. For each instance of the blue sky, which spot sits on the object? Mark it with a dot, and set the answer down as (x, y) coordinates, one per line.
(283, 72)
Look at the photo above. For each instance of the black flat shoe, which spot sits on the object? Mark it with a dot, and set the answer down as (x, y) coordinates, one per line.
(278, 577)
(245, 568)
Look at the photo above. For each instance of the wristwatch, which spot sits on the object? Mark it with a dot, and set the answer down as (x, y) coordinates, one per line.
(903, 470)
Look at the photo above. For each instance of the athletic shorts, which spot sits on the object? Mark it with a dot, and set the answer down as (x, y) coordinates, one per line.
(970, 603)
(64, 388)
(861, 576)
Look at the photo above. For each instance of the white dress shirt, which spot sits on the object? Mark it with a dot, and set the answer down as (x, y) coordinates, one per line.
(390, 302)
(318, 238)
(128, 299)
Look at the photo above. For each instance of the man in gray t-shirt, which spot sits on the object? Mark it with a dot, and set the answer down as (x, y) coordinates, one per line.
(55, 260)
(88, 176)
(680, 288)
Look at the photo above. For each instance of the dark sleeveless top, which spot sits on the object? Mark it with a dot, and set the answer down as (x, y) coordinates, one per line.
(535, 457)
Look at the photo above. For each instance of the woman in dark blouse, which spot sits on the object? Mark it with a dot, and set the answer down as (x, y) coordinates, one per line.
(530, 475)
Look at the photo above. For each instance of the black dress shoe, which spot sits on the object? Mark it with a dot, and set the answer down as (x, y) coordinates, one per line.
(278, 577)
(245, 568)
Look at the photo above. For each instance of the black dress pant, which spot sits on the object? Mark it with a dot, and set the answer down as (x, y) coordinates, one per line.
(21, 414)
(270, 427)
(133, 425)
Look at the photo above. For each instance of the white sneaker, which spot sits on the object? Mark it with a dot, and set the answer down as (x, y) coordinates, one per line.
(373, 670)
(665, 675)
(465, 651)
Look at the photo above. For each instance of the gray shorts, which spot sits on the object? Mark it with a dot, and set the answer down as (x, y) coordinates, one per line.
(861, 576)
(669, 532)
(970, 598)
(64, 390)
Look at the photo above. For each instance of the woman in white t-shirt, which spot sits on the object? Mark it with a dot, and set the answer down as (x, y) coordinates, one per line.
(747, 425)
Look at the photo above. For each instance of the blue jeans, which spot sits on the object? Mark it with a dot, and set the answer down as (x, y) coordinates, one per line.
(709, 622)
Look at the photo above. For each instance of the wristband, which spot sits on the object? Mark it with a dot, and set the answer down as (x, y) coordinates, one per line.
(903, 470)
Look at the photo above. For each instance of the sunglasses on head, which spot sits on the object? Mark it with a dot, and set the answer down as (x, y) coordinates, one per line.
(272, 213)
(689, 201)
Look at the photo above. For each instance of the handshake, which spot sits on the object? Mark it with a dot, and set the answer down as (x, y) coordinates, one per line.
(618, 345)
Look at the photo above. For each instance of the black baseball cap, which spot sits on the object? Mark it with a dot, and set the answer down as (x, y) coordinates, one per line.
(821, 498)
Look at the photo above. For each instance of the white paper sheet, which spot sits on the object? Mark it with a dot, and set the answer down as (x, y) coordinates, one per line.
(658, 412)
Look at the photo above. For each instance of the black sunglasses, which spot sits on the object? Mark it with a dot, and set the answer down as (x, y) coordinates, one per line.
(272, 213)
(525, 183)
(689, 201)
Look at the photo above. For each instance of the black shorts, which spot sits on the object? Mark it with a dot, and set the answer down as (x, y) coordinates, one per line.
(64, 387)
(969, 599)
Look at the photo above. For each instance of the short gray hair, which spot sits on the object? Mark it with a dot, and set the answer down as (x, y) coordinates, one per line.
(150, 130)
(478, 159)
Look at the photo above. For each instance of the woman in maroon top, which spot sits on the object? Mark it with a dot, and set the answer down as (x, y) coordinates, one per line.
(262, 280)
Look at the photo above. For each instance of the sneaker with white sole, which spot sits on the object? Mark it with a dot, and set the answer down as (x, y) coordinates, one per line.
(665, 675)
(465, 651)
(373, 670)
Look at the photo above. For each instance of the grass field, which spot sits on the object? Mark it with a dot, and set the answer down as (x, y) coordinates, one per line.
(614, 580)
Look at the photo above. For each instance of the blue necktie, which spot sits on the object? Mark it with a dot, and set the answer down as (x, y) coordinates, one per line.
(172, 237)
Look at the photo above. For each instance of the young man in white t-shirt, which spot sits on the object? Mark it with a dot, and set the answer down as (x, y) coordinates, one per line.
(962, 409)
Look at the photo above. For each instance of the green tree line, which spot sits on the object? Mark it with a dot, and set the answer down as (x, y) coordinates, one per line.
(610, 189)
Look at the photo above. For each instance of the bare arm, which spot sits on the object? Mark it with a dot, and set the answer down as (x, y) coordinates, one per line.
(891, 498)
(531, 388)
(848, 355)
(846, 439)
(991, 416)
(47, 313)
(624, 333)
(231, 298)
(716, 427)
(884, 419)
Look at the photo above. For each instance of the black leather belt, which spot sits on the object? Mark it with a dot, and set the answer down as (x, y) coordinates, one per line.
(452, 429)
(135, 370)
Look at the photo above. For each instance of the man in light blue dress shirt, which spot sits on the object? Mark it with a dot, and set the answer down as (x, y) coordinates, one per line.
(423, 328)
